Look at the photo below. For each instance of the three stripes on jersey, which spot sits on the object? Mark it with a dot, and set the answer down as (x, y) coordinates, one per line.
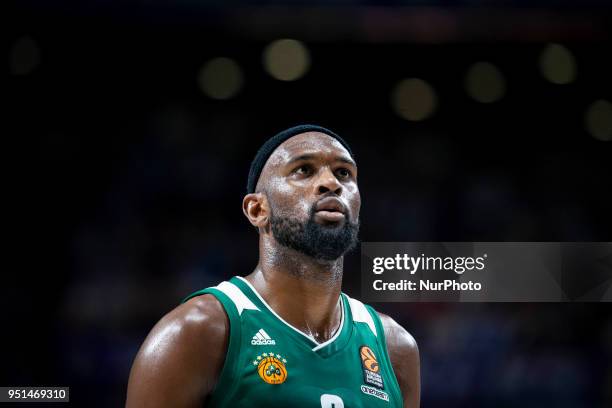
(261, 338)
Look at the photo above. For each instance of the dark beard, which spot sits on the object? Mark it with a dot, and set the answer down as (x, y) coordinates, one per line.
(310, 238)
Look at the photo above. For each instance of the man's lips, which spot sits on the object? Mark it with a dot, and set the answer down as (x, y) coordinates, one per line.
(331, 216)
(330, 209)
(330, 204)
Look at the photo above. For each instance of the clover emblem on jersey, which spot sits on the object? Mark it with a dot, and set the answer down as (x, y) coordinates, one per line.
(271, 368)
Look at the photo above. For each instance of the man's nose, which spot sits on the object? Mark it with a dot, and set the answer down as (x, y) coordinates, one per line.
(327, 182)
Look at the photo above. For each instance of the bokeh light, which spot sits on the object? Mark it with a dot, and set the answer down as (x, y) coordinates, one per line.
(598, 120)
(558, 64)
(221, 78)
(286, 59)
(24, 56)
(413, 99)
(485, 83)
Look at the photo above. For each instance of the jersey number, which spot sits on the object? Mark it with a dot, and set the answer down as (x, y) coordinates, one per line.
(331, 401)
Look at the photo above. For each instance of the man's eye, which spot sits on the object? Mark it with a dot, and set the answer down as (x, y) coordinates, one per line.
(343, 173)
(303, 170)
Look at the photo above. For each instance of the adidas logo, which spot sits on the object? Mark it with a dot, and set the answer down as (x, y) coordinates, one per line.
(261, 338)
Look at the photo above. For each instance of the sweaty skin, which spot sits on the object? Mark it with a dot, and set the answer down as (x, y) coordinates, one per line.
(180, 361)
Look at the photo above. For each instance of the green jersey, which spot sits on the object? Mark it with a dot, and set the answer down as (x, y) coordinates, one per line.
(270, 363)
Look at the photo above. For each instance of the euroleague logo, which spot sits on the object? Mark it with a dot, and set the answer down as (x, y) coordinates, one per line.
(371, 368)
(368, 359)
(271, 368)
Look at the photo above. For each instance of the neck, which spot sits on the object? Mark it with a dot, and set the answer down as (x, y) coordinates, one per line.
(302, 290)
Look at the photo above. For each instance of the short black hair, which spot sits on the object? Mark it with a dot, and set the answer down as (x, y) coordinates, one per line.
(266, 150)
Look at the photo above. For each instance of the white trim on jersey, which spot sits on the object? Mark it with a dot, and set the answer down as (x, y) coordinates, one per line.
(235, 294)
(335, 336)
(318, 345)
(361, 314)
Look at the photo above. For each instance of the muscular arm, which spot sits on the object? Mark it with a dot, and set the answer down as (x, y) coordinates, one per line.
(404, 355)
(181, 359)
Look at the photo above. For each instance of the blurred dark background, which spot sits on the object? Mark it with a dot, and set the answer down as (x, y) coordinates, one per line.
(135, 123)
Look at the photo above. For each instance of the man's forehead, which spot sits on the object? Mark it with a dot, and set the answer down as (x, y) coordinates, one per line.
(309, 143)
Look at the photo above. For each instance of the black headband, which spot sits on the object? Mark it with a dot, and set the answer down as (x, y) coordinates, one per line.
(266, 150)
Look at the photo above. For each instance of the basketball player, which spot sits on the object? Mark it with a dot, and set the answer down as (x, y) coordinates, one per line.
(284, 335)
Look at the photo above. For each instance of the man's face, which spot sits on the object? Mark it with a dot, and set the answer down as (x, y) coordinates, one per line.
(311, 184)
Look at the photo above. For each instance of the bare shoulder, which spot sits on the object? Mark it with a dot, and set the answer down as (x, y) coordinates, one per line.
(181, 358)
(404, 355)
(397, 337)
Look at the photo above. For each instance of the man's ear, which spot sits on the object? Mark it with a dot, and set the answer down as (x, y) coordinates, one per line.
(256, 208)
